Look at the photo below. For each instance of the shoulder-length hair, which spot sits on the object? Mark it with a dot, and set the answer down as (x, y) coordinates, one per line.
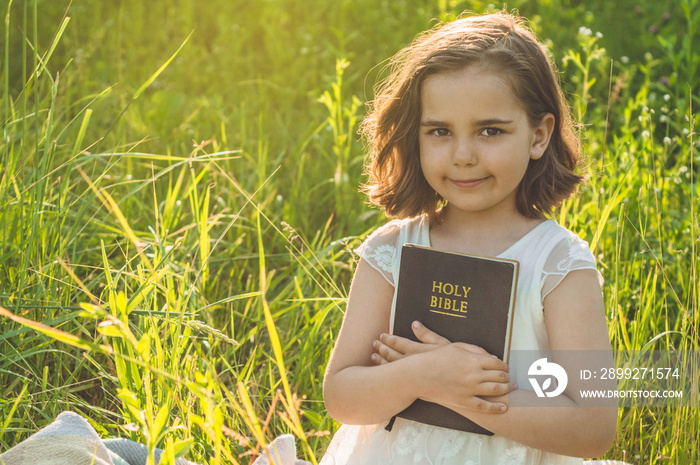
(500, 43)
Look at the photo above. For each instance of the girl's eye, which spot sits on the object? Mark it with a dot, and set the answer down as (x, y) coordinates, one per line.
(440, 132)
(490, 132)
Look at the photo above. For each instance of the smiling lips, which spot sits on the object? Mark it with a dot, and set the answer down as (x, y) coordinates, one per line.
(467, 183)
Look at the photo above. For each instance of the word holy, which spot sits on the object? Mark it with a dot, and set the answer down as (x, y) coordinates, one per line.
(455, 300)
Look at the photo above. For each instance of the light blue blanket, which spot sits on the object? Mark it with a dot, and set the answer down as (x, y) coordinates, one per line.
(71, 440)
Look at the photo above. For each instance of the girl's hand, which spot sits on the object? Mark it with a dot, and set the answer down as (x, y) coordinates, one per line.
(390, 348)
(480, 384)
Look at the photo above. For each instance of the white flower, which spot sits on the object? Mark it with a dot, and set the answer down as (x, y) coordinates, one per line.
(513, 455)
(584, 31)
(384, 255)
(625, 59)
(645, 134)
(667, 97)
(599, 35)
(407, 440)
(667, 141)
(453, 444)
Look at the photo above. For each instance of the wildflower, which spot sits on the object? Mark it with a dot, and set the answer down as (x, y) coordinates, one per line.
(599, 35)
(625, 59)
(667, 140)
(667, 97)
(685, 131)
(664, 81)
(584, 31)
(653, 29)
(648, 56)
(645, 134)
(666, 16)
(663, 118)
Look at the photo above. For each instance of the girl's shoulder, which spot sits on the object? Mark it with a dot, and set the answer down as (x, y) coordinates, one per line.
(548, 237)
(382, 248)
(567, 252)
(564, 242)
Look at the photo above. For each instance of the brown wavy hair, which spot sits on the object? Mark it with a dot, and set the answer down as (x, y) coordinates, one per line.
(499, 42)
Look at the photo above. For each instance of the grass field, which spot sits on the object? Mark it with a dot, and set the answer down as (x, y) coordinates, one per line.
(179, 203)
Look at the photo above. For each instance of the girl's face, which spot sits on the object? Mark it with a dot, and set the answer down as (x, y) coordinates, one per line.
(476, 140)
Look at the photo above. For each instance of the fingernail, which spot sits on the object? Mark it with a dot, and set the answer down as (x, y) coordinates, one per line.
(375, 344)
(416, 324)
(381, 337)
(503, 408)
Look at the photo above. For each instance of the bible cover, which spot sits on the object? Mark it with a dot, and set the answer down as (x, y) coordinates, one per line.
(464, 298)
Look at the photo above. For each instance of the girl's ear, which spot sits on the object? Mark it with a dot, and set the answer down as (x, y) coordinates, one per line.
(541, 135)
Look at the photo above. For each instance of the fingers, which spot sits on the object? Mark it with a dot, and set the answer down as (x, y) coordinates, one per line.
(392, 348)
(495, 376)
(491, 389)
(385, 352)
(486, 361)
(401, 344)
(472, 348)
(428, 341)
(427, 336)
(480, 405)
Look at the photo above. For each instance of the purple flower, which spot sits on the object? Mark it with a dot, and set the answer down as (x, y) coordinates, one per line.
(664, 81)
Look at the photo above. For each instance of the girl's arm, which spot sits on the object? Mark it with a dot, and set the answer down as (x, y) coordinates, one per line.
(575, 320)
(356, 391)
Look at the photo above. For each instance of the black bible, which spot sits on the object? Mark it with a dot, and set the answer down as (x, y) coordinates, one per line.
(464, 298)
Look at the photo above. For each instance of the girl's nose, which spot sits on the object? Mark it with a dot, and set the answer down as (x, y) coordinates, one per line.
(464, 152)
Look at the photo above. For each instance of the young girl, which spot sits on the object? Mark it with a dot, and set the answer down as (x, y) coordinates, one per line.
(471, 147)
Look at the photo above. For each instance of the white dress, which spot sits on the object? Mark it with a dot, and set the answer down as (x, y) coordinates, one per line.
(546, 254)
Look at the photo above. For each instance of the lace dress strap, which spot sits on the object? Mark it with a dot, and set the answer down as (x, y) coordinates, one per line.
(569, 254)
(380, 249)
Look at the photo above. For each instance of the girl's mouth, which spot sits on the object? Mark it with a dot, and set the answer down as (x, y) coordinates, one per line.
(467, 183)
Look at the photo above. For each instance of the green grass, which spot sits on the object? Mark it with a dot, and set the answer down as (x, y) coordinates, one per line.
(179, 203)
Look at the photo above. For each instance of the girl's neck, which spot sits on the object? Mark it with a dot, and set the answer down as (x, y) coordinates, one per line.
(487, 234)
